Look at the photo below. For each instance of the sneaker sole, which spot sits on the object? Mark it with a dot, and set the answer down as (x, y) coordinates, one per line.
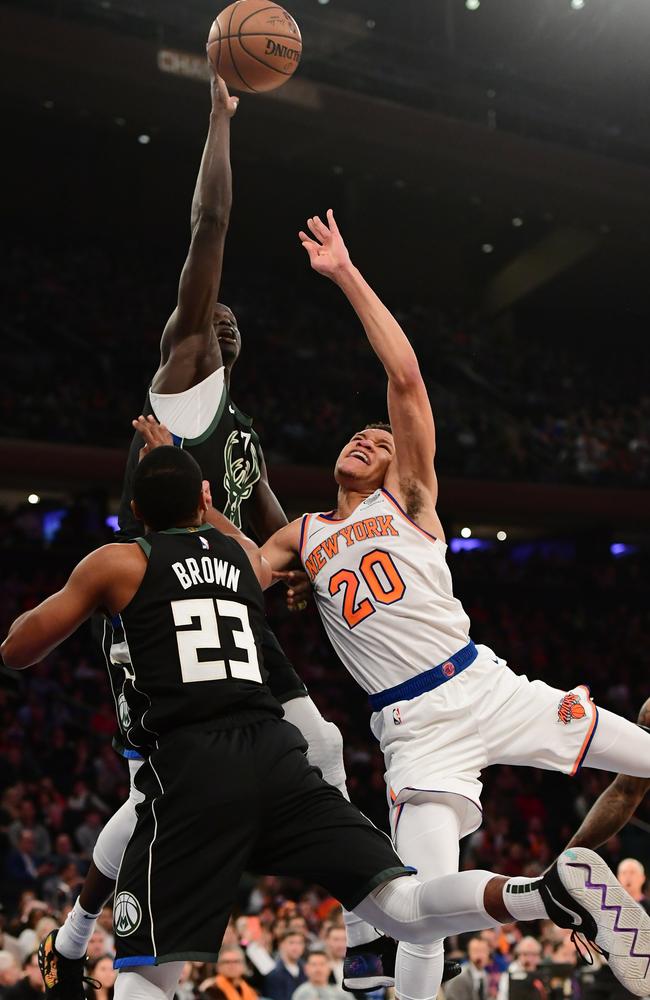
(368, 984)
(623, 925)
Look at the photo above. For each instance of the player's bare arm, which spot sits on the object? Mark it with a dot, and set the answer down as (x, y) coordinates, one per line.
(189, 350)
(282, 549)
(409, 408)
(105, 580)
(616, 806)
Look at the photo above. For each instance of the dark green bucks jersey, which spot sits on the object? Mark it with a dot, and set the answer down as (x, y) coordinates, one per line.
(230, 458)
(193, 635)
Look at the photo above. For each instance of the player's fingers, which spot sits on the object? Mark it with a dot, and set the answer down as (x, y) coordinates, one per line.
(313, 225)
(280, 574)
(331, 221)
(320, 229)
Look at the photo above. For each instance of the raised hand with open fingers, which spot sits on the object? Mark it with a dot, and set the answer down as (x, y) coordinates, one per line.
(154, 434)
(328, 254)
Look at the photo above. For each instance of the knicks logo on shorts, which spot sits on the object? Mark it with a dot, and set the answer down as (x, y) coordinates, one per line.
(448, 669)
(570, 708)
(127, 914)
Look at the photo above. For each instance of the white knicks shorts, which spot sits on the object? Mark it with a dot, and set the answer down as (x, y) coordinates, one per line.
(442, 740)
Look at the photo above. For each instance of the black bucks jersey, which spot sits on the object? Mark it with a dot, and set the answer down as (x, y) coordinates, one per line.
(228, 453)
(193, 636)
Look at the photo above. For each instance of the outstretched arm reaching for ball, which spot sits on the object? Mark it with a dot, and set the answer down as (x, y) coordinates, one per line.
(189, 351)
(408, 401)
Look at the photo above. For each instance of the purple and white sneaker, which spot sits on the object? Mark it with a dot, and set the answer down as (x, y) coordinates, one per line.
(581, 892)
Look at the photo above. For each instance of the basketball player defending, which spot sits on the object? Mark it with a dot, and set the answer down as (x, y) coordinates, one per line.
(190, 602)
(190, 393)
(443, 708)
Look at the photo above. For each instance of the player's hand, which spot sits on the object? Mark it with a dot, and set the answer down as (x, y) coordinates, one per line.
(207, 493)
(327, 252)
(222, 102)
(154, 434)
(298, 588)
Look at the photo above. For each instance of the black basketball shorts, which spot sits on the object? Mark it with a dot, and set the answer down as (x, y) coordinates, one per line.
(283, 679)
(219, 803)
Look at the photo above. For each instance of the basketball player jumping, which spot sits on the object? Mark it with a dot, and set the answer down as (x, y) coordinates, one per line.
(443, 708)
(226, 784)
(190, 393)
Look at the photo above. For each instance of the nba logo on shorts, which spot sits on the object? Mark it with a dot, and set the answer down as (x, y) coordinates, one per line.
(448, 669)
(126, 914)
(397, 717)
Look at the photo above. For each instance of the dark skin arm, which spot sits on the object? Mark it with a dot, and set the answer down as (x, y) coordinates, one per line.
(189, 350)
(616, 805)
(106, 580)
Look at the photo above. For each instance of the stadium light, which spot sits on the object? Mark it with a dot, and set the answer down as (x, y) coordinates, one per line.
(144, 139)
(517, 222)
(466, 532)
(33, 498)
(501, 536)
(487, 248)
(472, 4)
(577, 4)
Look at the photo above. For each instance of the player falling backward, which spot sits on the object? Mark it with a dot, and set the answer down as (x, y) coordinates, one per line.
(443, 708)
(226, 784)
(190, 393)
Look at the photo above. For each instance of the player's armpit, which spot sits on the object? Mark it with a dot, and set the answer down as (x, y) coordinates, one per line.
(37, 632)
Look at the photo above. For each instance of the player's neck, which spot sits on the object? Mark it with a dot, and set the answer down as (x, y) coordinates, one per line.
(348, 500)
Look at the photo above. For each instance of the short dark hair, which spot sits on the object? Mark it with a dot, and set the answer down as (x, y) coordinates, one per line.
(316, 951)
(166, 487)
(381, 425)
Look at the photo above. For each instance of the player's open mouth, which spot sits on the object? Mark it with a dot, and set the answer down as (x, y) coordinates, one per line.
(361, 455)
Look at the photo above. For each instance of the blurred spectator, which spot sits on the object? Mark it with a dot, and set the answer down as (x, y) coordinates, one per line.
(101, 969)
(9, 943)
(87, 832)
(473, 982)
(98, 944)
(335, 941)
(288, 974)
(30, 985)
(9, 972)
(27, 822)
(229, 982)
(631, 875)
(524, 969)
(318, 987)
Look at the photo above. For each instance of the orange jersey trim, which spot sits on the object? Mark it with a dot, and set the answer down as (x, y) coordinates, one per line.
(400, 510)
(588, 738)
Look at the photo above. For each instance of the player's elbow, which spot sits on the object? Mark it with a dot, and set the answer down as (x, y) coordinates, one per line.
(209, 222)
(406, 377)
(12, 655)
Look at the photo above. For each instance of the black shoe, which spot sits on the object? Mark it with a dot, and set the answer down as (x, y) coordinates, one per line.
(63, 977)
(580, 892)
(370, 966)
(451, 970)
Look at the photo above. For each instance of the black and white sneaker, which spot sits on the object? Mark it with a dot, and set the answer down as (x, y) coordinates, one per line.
(63, 977)
(581, 892)
(371, 966)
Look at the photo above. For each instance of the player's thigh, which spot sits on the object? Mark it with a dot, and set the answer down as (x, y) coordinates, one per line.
(538, 725)
(283, 680)
(311, 831)
(427, 833)
(182, 865)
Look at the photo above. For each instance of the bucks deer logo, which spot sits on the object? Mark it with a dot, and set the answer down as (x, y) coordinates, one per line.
(242, 472)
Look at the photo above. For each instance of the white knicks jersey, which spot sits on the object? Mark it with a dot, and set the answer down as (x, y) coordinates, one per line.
(384, 592)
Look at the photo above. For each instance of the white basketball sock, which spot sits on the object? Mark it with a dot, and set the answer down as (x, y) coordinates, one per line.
(522, 899)
(73, 937)
(358, 931)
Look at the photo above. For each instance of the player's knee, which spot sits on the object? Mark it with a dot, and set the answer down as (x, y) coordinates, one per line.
(113, 839)
(326, 753)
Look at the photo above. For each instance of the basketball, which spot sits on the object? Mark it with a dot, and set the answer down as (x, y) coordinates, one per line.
(254, 45)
